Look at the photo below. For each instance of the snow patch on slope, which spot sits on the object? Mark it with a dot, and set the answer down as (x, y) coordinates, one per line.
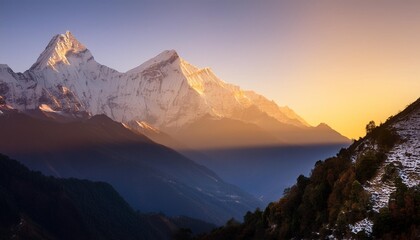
(46, 108)
(147, 126)
(362, 225)
(405, 156)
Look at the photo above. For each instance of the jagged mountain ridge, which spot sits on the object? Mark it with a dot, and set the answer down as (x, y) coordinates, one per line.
(166, 92)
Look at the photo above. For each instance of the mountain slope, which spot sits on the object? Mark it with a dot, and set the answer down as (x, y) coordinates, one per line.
(211, 133)
(165, 92)
(404, 157)
(369, 190)
(151, 177)
(37, 207)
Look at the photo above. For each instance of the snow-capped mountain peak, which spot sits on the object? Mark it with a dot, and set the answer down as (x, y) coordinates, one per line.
(57, 50)
(165, 57)
(166, 91)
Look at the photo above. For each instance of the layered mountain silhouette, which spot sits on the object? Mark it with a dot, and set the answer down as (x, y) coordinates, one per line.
(166, 93)
(34, 206)
(151, 177)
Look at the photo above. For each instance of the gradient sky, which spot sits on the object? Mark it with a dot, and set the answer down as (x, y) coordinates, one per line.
(339, 62)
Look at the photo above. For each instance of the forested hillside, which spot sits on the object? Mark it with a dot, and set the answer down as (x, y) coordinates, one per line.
(337, 200)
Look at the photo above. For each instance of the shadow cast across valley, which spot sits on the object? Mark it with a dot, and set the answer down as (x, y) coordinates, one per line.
(264, 171)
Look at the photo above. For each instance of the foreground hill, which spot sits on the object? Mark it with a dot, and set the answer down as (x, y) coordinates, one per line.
(151, 177)
(369, 190)
(33, 206)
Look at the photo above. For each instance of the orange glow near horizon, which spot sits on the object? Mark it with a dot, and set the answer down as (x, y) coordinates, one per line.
(354, 88)
(352, 63)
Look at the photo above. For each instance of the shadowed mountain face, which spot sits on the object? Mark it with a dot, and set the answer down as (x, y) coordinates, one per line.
(208, 133)
(245, 154)
(263, 171)
(215, 133)
(149, 176)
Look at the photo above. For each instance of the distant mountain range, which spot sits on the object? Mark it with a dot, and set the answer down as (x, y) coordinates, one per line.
(166, 93)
